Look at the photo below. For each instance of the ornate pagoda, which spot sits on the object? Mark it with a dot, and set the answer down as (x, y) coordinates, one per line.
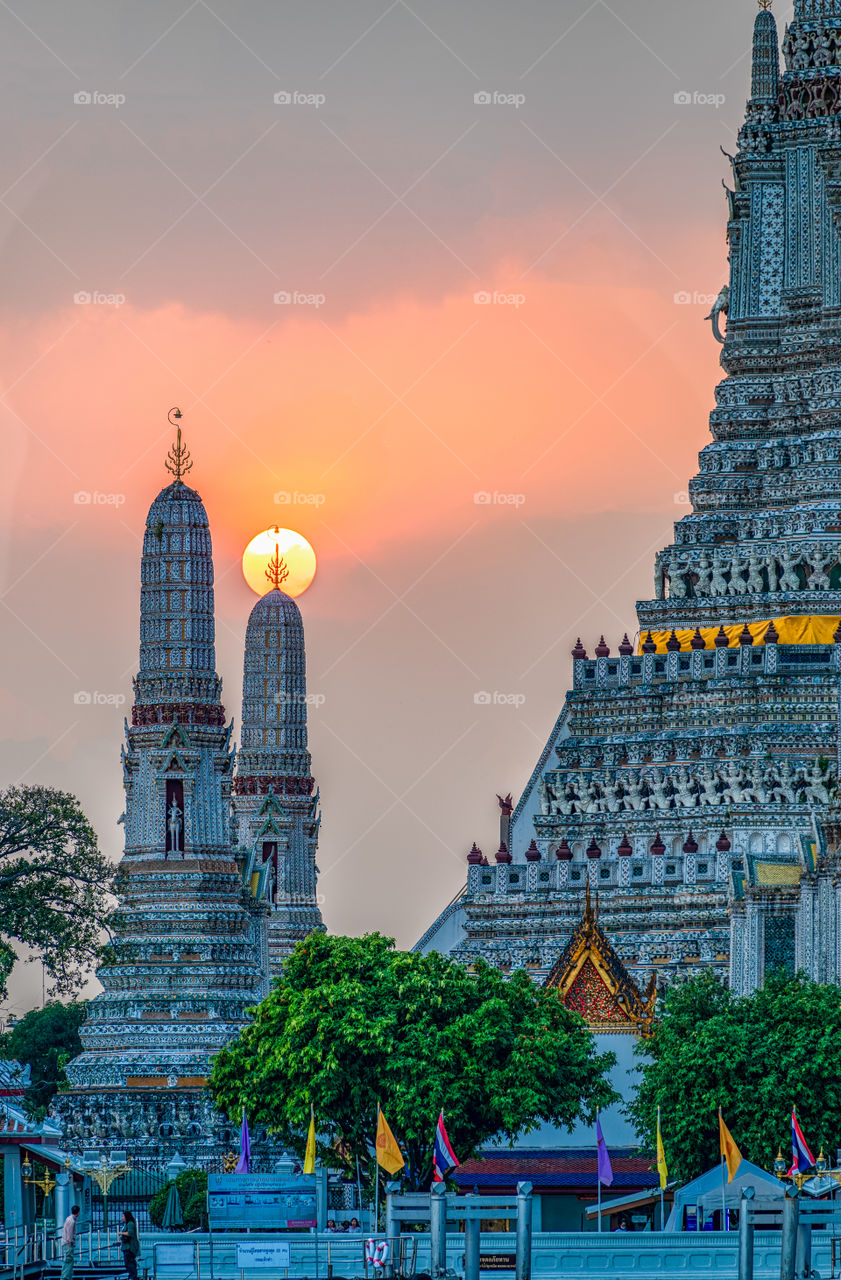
(275, 800)
(688, 773)
(188, 955)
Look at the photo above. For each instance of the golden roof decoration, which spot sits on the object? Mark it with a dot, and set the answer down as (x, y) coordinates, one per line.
(591, 979)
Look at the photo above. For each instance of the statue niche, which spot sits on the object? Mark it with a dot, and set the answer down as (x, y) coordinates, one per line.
(174, 816)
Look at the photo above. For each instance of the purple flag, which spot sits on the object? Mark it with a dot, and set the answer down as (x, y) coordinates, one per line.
(605, 1167)
(245, 1147)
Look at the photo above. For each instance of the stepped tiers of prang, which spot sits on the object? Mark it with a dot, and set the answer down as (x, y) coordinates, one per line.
(218, 878)
(690, 778)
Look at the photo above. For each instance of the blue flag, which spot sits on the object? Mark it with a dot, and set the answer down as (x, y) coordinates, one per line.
(244, 1147)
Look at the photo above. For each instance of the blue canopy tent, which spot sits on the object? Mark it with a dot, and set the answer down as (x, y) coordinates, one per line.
(702, 1196)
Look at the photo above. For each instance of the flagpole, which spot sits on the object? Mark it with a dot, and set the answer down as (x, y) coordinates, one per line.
(598, 1171)
(723, 1198)
(376, 1175)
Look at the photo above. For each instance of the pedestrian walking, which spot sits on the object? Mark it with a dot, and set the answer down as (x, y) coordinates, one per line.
(130, 1243)
(68, 1243)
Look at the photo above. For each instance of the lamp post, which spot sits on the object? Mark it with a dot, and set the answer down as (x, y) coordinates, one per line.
(821, 1170)
(104, 1174)
(46, 1182)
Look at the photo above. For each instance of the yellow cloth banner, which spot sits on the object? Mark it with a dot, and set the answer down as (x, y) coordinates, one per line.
(309, 1155)
(662, 1167)
(808, 630)
(730, 1153)
(389, 1156)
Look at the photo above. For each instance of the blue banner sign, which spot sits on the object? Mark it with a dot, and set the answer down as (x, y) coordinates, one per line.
(262, 1201)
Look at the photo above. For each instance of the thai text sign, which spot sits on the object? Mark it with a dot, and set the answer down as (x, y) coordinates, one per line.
(268, 1255)
(497, 1262)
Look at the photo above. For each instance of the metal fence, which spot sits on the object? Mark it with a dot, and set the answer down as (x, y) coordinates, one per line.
(134, 1190)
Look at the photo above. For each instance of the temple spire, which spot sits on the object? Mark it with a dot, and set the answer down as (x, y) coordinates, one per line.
(765, 79)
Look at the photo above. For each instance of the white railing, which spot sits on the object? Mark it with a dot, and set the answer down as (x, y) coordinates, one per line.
(40, 1243)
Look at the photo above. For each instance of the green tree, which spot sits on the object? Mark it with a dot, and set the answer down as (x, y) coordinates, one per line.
(54, 884)
(46, 1039)
(353, 1022)
(192, 1192)
(755, 1057)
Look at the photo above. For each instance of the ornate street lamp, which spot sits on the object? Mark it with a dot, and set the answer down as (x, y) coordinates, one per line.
(104, 1174)
(46, 1182)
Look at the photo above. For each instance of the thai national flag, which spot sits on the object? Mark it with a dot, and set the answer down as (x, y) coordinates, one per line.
(801, 1157)
(443, 1157)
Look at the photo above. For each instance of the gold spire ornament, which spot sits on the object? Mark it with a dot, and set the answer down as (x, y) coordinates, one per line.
(277, 571)
(765, 5)
(178, 461)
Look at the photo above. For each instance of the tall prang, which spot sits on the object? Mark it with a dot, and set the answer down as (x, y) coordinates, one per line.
(688, 777)
(274, 793)
(188, 955)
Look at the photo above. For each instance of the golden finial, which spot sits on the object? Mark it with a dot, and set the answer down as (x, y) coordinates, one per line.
(178, 461)
(277, 571)
(765, 5)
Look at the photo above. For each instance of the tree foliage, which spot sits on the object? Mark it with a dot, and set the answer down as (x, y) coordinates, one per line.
(54, 884)
(755, 1057)
(46, 1039)
(353, 1022)
(192, 1192)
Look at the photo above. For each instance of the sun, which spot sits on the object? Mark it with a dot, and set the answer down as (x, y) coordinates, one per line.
(294, 551)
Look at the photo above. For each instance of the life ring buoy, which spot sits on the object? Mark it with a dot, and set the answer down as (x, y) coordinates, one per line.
(381, 1255)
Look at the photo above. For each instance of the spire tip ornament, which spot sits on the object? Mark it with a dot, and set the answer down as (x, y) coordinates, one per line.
(178, 461)
(765, 5)
(277, 571)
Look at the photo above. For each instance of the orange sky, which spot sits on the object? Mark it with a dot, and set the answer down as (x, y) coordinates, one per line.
(575, 402)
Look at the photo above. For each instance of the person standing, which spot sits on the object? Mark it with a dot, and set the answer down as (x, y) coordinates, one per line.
(130, 1242)
(68, 1243)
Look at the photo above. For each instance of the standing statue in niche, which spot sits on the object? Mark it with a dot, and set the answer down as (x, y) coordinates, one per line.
(176, 827)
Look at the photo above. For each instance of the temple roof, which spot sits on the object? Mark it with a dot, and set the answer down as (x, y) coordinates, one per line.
(592, 980)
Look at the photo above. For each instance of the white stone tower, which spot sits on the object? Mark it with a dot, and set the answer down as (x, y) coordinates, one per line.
(274, 793)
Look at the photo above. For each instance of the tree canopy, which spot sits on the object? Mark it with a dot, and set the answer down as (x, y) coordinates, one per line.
(46, 1039)
(54, 884)
(754, 1056)
(353, 1022)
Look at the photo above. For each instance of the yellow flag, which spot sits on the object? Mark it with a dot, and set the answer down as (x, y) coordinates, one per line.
(389, 1156)
(662, 1167)
(729, 1151)
(309, 1157)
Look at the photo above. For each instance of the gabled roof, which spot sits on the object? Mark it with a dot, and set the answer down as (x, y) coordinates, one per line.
(591, 979)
